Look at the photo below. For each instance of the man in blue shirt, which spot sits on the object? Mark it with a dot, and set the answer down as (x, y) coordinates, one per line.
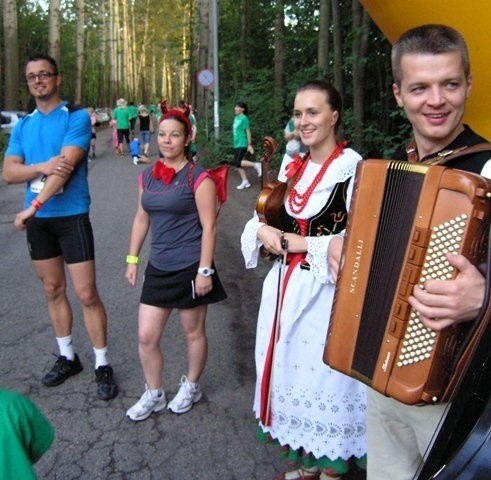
(49, 152)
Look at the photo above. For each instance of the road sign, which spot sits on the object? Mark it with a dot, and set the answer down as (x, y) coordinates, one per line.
(206, 77)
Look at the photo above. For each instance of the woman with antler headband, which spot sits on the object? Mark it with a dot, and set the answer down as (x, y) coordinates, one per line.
(315, 413)
(177, 201)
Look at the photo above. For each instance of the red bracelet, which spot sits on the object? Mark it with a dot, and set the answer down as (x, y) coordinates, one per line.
(36, 204)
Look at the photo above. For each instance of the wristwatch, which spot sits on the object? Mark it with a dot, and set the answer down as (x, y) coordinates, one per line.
(206, 272)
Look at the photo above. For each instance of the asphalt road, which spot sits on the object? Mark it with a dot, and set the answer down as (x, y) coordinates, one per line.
(94, 440)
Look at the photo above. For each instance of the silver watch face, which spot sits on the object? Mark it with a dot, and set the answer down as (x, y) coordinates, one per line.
(205, 271)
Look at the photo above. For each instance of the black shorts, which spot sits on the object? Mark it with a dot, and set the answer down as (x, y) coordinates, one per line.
(239, 154)
(70, 237)
(175, 289)
(124, 135)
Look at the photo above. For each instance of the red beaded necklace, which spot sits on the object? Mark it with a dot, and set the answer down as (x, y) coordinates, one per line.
(297, 201)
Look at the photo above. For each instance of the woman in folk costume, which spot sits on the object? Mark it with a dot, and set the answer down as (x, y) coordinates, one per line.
(316, 414)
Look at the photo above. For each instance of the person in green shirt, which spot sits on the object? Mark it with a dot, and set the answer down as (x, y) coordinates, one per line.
(133, 115)
(243, 144)
(25, 436)
(122, 115)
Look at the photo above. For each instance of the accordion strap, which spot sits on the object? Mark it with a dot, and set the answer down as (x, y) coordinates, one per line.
(446, 155)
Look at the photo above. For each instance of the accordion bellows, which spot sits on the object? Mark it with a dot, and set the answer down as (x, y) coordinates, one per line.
(403, 218)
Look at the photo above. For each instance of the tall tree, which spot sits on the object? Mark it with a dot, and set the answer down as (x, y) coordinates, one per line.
(79, 49)
(359, 47)
(279, 56)
(104, 35)
(142, 71)
(323, 46)
(244, 34)
(124, 60)
(54, 30)
(204, 50)
(338, 47)
(11, 55)
(114, 58)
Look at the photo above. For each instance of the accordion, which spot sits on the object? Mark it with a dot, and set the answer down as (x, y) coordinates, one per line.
(403, 218)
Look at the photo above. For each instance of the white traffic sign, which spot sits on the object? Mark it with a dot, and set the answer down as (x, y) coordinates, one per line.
(206, 77)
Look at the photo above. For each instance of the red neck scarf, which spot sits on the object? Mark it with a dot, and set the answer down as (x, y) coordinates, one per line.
(162, 172)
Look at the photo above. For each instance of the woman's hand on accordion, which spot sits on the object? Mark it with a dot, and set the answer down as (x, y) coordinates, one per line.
(445, 302)
(334, 255)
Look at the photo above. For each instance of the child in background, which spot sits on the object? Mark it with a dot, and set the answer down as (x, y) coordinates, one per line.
(135, 150)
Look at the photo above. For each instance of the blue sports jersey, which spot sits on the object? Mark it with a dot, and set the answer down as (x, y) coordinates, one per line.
(37, 138)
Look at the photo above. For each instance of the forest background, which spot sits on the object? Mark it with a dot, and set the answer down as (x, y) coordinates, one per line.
(148, 50)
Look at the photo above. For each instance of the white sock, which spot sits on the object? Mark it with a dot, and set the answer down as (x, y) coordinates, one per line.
(65, 346)
(155, 393)
(100, 357)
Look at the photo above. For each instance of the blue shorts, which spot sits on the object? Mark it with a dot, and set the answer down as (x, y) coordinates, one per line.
(70, 237)
(145, 136)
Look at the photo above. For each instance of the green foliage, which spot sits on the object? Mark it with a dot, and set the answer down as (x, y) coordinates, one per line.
(377, 143)
(159, 27)
(381, 131)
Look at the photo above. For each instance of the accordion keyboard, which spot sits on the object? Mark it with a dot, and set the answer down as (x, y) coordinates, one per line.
(417, 344)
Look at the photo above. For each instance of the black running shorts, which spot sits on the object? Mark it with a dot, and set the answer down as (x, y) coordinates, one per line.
(239, 154)
(70, 237)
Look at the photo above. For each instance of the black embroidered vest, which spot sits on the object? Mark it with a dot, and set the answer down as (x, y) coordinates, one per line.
(329, 221)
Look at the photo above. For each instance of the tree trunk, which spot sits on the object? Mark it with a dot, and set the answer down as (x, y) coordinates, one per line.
(79, 50)
(204, 50)
(11, 55)
(103, 36)
(125, 77)
(141, 73)
(54, 30)
(113, 53)
(131, 65)
(338, 48)
(243, 48)
(323, 44)
(279, 58)
(358, 54)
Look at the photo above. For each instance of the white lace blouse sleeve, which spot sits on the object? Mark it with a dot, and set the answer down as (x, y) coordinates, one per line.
(317, 256)
(249, 242)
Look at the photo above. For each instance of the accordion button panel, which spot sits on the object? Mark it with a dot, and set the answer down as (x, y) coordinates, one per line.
(417, 344)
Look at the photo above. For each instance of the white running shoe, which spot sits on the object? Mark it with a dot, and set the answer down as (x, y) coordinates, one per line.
(147, 404)
(186, 397)
(258, 166)
(244, 184)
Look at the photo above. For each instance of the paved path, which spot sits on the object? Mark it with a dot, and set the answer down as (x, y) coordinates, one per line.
(216, 439)
(94, 439)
